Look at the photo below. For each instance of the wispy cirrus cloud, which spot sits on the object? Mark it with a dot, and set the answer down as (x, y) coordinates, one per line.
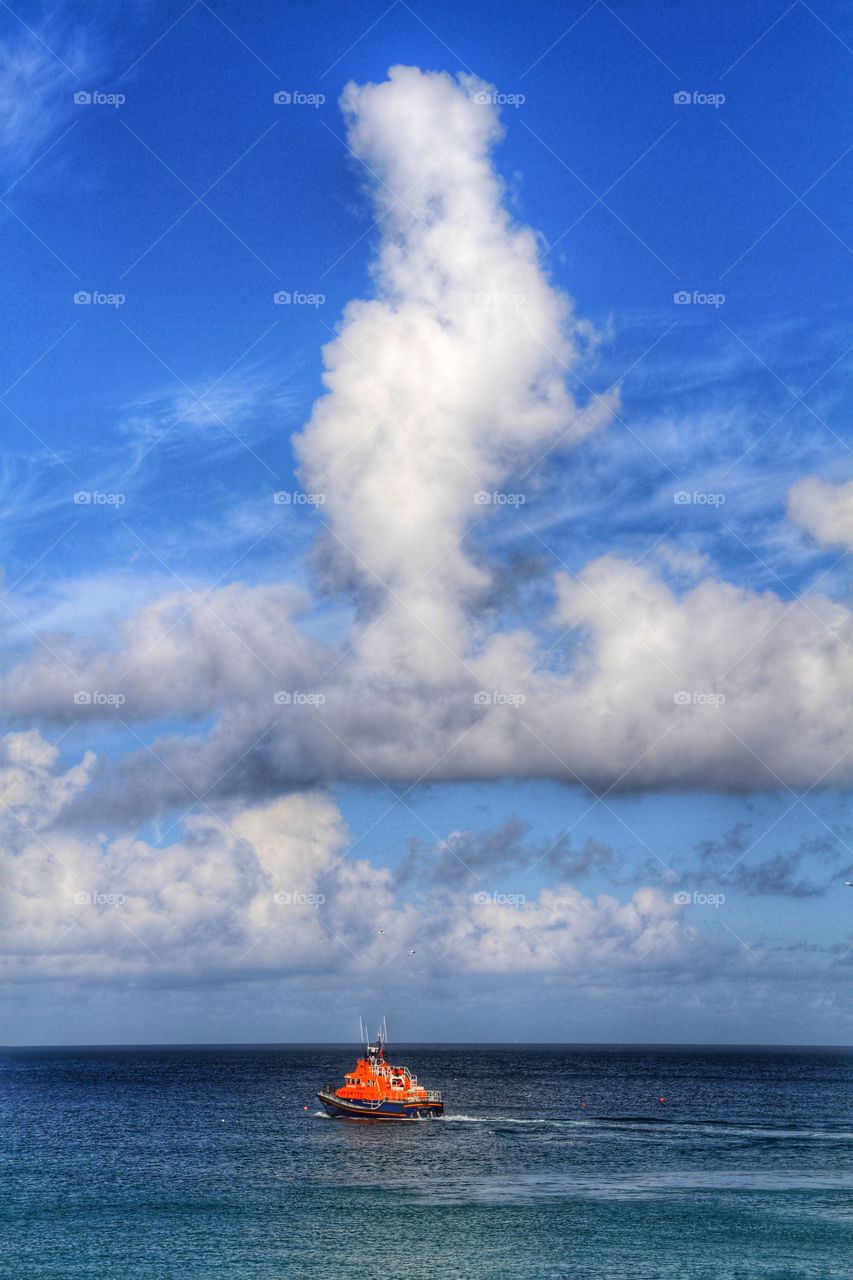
(39, 72)
(232, 411)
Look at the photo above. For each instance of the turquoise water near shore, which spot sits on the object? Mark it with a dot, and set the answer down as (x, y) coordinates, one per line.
(549, 1163)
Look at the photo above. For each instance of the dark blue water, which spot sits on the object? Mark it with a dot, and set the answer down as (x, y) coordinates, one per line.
(204, 1162)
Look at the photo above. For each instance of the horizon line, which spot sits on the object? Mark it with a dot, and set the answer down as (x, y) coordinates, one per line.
(438, 1044)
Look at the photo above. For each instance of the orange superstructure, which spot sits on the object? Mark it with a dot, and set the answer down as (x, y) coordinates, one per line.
(377, 1090)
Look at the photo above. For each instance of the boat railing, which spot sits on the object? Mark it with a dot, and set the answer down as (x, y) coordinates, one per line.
(431, 1095)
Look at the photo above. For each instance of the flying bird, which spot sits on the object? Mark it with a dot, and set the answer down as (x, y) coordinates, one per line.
(411, 953)
(381, 930)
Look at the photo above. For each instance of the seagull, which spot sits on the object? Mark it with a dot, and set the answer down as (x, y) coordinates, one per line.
(849, 884)
(411, 953)
(381, 930)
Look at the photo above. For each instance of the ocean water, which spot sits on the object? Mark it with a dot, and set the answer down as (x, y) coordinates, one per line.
(549, 1162)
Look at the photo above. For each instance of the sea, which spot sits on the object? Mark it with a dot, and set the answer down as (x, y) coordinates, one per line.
(550, 1161)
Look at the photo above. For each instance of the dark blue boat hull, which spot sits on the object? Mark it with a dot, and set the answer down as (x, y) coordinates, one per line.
(351, 1109)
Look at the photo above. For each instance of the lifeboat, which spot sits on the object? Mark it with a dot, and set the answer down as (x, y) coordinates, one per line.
(374, 1090)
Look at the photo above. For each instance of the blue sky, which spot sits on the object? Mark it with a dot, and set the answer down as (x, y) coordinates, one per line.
(191, 203)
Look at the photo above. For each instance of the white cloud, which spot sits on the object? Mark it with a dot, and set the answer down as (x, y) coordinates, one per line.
(187, 654)
(31, 789)
(455, 371)
(271, 902)
(717, 687)
(563, 929)
(271, 890)
(684, 561)
(823, 509)
(223, 896)
(446, 383)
